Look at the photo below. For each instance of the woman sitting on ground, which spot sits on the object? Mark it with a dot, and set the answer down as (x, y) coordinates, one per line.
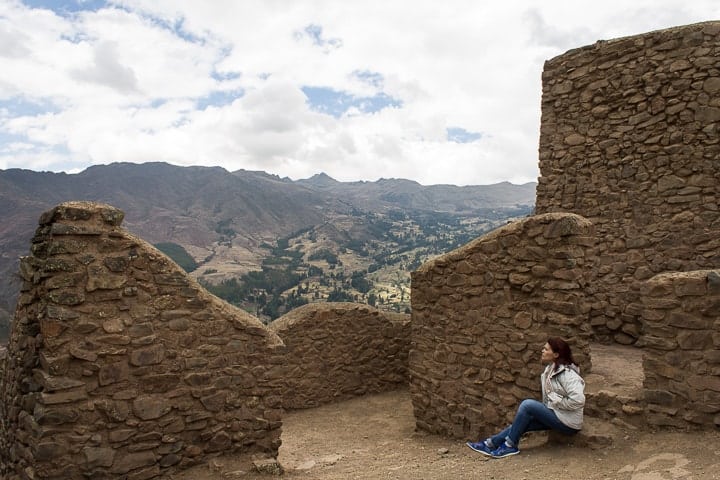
(563, 399)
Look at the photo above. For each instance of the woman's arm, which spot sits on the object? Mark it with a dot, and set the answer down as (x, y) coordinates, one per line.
(574, 387)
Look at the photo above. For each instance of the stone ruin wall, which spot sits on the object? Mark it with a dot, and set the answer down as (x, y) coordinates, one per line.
(335, 351)
(481, 313)
(630, 144)
(681, 348)
(630, 139)
(121, 366)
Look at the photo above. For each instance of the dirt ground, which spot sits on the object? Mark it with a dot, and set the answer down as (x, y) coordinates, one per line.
(374, 437)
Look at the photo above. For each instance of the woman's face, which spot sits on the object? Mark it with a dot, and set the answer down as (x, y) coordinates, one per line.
(548, 356)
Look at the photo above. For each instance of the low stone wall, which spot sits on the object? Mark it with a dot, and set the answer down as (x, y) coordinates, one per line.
(481, 314)
(681, 343)
(121, 366)
(335, 351)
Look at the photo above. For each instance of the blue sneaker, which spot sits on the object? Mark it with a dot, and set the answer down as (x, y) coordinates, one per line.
(480, 447)
(504, 450)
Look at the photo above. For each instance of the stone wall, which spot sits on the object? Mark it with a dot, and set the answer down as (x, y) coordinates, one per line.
(681, 344)
(481, 314)
(335, 351)
(630, 140)
(121, 366)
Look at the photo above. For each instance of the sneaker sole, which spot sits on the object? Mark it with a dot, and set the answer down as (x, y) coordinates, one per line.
(508, 454)
(477, 450)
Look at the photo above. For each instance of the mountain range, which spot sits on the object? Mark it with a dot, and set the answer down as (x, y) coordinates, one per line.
(229, 222)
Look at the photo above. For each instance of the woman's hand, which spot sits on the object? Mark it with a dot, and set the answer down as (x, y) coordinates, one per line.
(554, 398)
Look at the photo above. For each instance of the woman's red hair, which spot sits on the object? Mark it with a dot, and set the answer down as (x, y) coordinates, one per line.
(561, 347)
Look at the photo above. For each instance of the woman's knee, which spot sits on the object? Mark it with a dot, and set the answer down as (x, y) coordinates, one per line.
(526, 405)
(531, 407)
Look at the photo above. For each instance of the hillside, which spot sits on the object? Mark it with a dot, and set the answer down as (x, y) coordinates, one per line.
(306, 240)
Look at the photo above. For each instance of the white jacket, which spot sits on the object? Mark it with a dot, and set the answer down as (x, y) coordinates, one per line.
(564, 393)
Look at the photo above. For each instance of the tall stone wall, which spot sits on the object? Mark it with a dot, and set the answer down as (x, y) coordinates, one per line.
(121, 366)
(335, 351)
(630, 140)
(681, 348)
(481, 314)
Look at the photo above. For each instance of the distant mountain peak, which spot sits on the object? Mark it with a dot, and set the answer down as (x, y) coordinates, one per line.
(320, 180)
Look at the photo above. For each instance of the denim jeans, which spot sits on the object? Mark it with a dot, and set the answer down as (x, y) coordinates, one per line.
(531, 416)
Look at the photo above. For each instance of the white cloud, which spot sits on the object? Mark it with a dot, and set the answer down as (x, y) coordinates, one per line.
(107, 70)
(221, 83)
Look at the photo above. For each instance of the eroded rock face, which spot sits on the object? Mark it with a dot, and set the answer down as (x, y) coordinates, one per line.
(629, 140)
(120, 364)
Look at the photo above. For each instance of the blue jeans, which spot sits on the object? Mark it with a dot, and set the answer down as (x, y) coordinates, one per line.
(531, 416)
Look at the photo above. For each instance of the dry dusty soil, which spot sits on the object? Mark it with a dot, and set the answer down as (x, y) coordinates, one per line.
(374, 437)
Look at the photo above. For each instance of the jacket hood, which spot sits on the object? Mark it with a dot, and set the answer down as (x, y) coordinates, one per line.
(573, 367)
(561, 367)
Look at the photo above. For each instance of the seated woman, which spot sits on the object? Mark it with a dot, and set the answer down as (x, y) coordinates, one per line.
(563, 399)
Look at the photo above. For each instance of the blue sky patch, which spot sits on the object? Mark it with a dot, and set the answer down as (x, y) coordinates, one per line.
(460, 135)
(7, 138)
(224, 76)
(20, 107)
(315, 34)
(67, 7)
(219, 98)
(371, 78)
(177, 28)
(336, 103)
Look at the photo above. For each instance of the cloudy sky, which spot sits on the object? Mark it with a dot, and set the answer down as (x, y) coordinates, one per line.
(437, 92)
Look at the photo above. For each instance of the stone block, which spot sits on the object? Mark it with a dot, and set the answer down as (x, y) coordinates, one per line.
(104, 281)
(147, 356)
(704, 382)
(688, 320)
(66, 396)
(691, 286)
(132, 461)
(694, 340)
(98, 457)
(49, 450)
(51, 383)
(150, 407)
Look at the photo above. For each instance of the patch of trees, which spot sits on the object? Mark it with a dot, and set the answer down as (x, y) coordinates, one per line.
(339, 295)
(357, 246)
(326, 255)
(360, 283)
(178, 254)
(224, 229)
(400, 241)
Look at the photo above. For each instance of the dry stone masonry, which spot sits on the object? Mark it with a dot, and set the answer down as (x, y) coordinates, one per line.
(335, 351)
(681, 343)
(629, 144)
(121, 366)
(630, 139)
(481, 314)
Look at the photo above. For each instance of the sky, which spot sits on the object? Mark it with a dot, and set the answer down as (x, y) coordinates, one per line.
(437, 92)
